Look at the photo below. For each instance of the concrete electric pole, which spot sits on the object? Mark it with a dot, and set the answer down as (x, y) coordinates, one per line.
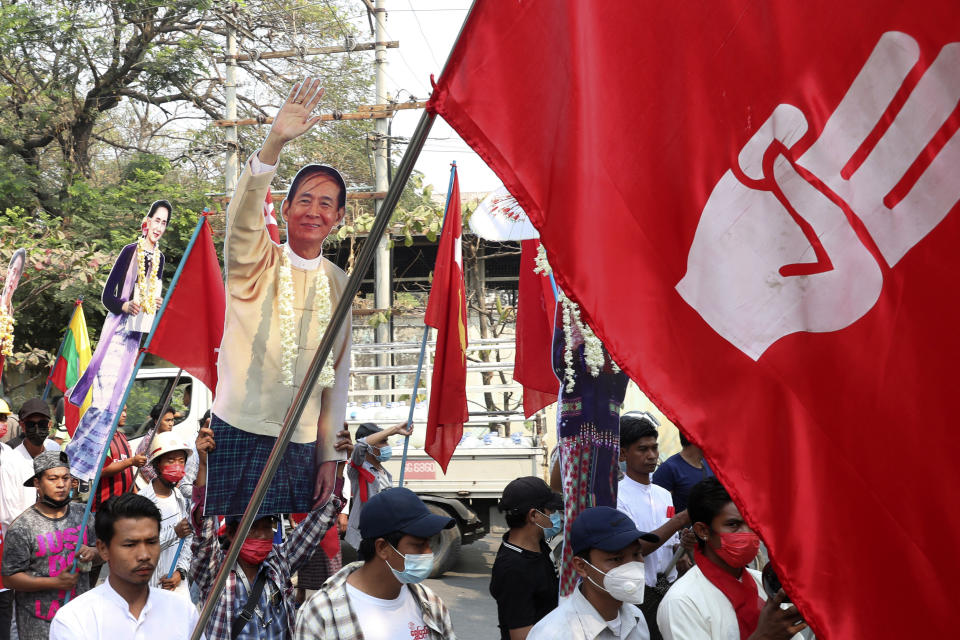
(381, 271)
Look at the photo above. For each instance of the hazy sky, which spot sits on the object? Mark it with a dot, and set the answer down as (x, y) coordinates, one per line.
(426, 30)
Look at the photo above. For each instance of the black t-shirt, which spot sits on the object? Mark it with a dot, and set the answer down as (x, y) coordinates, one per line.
(524, 584)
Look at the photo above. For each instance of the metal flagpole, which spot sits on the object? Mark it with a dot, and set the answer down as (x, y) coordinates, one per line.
(76, 306)
(423, 342)
(337, 319)
(133, 377)
(413, 401)
(173, 567)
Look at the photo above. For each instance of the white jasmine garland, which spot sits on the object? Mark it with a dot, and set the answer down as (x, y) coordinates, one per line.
(593, 353)
(6, 332)
(146, 282)
(288, 324)
(542, 266)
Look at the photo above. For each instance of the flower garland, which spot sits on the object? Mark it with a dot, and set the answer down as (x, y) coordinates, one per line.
(6, 332)
(594, 354)
(146, 282)
(288, 323)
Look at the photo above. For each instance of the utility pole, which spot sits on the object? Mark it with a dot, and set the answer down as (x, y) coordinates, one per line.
(233, 144)
(382, 298)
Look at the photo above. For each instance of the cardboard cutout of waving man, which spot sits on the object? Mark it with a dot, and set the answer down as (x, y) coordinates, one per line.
(279, 302)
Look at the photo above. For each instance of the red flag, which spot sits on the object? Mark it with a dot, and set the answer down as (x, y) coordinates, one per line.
(271, 218)
(191, 327)
(447, 313)
(755, 205)
(535, 310)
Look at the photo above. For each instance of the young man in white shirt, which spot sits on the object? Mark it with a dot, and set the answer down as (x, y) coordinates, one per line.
(124, 605)
(168, 456)
(381, 597)
(720, 599)
(608, 558)
(649, 506)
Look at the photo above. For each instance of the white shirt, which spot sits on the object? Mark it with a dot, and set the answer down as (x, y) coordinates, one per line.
(647, 504)
(397, 619)
(16, 467)
(694, 609)
(103, 613)
(576, 619)
(172, 511)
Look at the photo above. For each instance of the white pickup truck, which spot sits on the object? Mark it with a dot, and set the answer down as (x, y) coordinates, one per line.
(468, 492)
(190, 398)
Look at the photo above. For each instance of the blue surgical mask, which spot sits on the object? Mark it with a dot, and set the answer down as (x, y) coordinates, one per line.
(416, 567)
(556, 522)
(385, 453)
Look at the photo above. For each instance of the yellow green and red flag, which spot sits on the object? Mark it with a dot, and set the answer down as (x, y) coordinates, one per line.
(70, 365)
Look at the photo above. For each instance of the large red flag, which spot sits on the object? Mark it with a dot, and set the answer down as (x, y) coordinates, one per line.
(447, 313)
(191, 327)
(755, 205)
(535, 310)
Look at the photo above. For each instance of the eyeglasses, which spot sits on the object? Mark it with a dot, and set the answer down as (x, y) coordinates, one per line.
(39, 424)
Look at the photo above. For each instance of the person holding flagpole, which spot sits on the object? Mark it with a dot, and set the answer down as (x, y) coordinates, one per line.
(278, 304)
(132, 297)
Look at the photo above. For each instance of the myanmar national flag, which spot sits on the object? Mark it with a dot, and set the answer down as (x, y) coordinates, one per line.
(70, 365)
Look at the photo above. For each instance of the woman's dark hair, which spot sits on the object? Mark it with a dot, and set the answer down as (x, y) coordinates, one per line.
(161, 203)
(126, 505)
(368, 547)
(707, 498)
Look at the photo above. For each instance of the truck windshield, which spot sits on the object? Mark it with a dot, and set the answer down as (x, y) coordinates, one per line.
(149, 392)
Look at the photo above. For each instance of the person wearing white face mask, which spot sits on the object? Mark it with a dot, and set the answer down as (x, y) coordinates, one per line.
(381, 596)
(524, 580)
(365, 471)
(609, 560)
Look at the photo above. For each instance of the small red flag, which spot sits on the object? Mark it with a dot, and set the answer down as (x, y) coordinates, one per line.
(191, 327)
(447, 313)
(535, 309)
(271, 218)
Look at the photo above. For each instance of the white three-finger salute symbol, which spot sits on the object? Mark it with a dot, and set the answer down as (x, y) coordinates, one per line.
(775, 251)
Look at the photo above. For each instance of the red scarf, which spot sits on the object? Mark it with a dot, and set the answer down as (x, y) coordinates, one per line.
(367, 478)
(742, 593)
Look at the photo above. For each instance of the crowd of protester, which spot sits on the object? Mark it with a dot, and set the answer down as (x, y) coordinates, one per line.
(670, 561)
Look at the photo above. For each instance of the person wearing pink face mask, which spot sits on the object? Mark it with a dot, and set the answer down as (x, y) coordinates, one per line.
(258, 600)
(720, 598)
(168, 457)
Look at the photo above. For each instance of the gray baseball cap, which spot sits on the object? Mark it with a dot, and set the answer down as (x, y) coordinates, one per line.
(47, 460)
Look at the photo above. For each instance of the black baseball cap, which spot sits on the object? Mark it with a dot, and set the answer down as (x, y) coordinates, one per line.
(529, 492)
(606, 529)
(399, 509)
(32, 406)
